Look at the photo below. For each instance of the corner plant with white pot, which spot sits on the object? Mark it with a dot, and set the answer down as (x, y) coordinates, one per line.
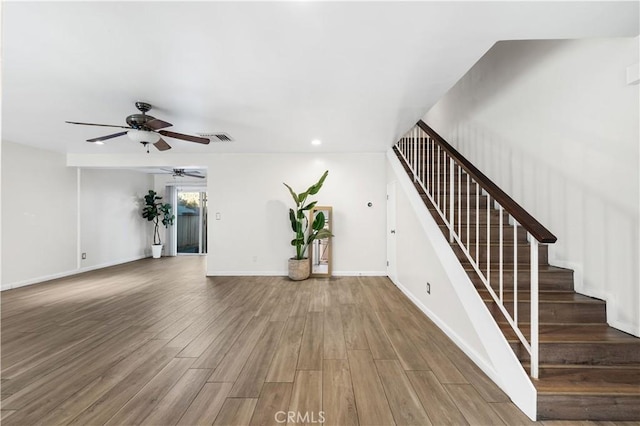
(157, 212)
(299, 268)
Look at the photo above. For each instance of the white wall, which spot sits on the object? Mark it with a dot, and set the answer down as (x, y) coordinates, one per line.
(423, 255)
(556, 126)
(247, 191)
(112, 230)
(254, 233)
(39, 215)
(51, 213)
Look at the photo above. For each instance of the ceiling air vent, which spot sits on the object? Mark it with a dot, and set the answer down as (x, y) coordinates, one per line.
(217, 137)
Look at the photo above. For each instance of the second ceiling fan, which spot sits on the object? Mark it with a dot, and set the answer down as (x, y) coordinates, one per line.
(145, 129)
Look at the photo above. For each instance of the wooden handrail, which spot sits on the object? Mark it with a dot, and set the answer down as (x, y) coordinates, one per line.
(528, 222)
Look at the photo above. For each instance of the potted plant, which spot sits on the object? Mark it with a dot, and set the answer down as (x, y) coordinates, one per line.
(299, 267)
(156, 212)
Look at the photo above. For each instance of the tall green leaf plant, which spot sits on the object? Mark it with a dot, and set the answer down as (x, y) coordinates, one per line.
(300, 221)
(156, 212)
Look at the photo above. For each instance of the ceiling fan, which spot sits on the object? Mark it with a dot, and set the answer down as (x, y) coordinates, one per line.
(145, 129)
(184, 173)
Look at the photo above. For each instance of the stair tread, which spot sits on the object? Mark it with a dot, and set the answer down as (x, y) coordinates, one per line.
(589, 380)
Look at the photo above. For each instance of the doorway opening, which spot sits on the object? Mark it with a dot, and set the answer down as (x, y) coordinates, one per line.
(191, 222)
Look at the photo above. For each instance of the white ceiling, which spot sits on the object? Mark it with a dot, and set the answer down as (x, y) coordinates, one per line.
(274, 75)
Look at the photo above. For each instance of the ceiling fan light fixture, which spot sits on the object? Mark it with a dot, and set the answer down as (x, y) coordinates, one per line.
(143, 136)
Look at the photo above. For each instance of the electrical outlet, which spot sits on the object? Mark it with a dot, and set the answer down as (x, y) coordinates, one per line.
(255, 259)
(84, 256)
(428, 288)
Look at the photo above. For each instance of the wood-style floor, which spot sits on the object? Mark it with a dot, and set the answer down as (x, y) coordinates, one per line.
(156, 342)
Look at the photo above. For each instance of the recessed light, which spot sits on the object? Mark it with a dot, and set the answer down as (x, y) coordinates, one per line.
(99, 143)
(316, 142)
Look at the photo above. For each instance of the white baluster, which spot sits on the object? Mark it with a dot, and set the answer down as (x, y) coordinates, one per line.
(415, 157)
(434, 188)
(428, 165)
(468, 241)
(445, 188)
(415, 136)
(451, 201)
(515, 272)
(478, 225)
(534, 306)
(460, 202)
(488, 237)
(501, 254)
(438, 175)
(420, 159)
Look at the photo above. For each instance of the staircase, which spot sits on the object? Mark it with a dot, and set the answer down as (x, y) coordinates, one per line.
(585, 369)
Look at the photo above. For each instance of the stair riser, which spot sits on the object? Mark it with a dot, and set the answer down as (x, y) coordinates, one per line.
(553, 312)
(494, 234)
(480, 217)
(482, 203)
(588, 407)
(443, 189)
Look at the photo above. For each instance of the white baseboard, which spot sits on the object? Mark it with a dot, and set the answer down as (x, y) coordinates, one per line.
(359, 273)
(38, 280)
(285, 273)
(246, 273)
(64, 274)
(113, 263)
(626, 327)
(578, 285)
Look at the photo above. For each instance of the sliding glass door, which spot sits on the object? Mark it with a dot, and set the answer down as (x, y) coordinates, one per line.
(191, 222)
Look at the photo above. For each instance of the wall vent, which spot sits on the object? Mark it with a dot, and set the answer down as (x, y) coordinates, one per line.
(217, 137)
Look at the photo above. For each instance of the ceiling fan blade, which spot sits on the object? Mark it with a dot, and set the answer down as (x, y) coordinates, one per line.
(162, 145)
(94, 124)
(104, 138)
(184, 137)
(156, 124)
(192, 175)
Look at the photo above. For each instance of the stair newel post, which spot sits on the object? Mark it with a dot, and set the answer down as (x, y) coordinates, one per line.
(451, 200)
(534, 306)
